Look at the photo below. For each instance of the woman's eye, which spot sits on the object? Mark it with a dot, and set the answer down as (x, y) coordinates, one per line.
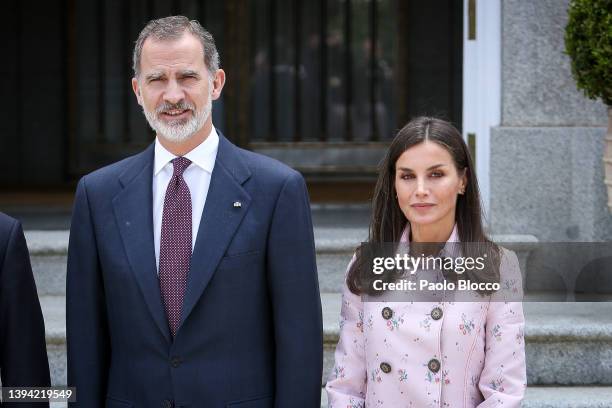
(436, 174)
(407, 176)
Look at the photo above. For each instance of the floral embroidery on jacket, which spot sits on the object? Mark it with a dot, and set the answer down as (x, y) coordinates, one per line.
(355, 404)
(445, 377)
(403, 375)
(339, 371)
(375, 375)
(426, 323)
(497, 384)
(370, 323)
(474, 379)
(394, 323)
(467, 325)
(431, 377)
(496, 332)
(360, 321)
(510, 284)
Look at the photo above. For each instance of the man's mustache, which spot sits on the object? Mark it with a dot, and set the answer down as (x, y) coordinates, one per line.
(182, 105)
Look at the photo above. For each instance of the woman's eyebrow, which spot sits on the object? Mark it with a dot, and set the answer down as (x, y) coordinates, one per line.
(435, 166)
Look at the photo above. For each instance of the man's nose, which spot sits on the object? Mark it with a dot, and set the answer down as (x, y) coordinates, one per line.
(174, 92)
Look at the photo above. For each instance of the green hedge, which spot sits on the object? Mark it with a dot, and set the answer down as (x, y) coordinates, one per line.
(588, 42)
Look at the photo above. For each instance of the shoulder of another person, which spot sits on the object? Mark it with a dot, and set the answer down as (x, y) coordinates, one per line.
(7, 223)
(7, 226)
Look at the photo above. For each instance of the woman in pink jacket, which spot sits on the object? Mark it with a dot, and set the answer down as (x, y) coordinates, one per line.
(430, 353)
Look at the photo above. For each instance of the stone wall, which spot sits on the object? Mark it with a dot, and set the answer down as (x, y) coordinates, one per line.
(546, 168)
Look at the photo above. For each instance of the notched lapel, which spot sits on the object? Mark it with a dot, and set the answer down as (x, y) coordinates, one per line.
(220, 220)
(133, 208)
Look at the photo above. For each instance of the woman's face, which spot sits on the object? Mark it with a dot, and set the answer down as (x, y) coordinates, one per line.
(427, 184)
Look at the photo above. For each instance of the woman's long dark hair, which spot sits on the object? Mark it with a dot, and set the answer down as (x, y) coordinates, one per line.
(388, 221)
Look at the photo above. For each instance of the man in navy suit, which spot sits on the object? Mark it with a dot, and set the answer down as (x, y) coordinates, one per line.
(23, 353)
(191, 267)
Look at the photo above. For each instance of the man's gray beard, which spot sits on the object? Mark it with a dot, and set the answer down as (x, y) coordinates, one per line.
(178, 130)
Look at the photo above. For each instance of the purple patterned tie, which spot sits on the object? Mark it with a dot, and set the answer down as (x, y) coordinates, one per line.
(175, 244)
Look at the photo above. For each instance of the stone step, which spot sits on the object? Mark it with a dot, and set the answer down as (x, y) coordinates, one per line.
(54, 311)
(556, 397)
(566, 343)
(334, 246)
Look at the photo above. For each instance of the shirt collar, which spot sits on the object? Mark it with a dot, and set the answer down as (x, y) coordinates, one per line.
(202, 156)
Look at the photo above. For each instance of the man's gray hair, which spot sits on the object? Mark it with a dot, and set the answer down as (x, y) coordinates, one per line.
(173, 28)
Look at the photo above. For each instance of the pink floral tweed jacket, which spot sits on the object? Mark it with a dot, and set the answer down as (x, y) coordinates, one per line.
(424, 354)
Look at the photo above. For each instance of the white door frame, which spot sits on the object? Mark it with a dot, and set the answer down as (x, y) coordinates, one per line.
(482, 84)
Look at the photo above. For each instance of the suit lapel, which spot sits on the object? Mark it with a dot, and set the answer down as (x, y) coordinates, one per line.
(133, 208)
(219, 222)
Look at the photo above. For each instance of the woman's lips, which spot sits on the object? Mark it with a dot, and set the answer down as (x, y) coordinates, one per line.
(422, 206)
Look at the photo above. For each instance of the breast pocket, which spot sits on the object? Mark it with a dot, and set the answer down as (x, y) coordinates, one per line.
(240, 269)
(259, 402)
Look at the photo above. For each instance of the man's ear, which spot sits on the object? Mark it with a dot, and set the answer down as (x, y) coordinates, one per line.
(136, 89)
(218, 82)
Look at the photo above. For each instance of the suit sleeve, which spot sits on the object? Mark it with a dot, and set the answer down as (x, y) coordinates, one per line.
(346, 385)
(503, 379)
(23, 352)
(86, 322)
(296, 302)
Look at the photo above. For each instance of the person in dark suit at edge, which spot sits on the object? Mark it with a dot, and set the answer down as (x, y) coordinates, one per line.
(23, 352)
(192, 278)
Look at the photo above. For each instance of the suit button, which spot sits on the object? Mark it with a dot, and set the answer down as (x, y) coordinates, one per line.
(167, 404)
(436, 313)
(387, 313)
(434, 365)
(175, 362)
(385, 367)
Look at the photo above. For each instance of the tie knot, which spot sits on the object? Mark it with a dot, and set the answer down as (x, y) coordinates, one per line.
(180, 164)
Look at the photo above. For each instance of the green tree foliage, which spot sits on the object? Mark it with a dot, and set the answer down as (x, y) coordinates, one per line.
(588, 42)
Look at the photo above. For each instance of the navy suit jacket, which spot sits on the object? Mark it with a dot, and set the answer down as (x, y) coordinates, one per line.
(23, 352)
(251, 330)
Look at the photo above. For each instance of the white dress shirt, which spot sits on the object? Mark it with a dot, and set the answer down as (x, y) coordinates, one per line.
(197, 177)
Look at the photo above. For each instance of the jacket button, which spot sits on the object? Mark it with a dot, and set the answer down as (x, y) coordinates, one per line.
(436, 313)
(167, 404)
(385, 367)
(387, 313)
(175, 362)
(434, 365)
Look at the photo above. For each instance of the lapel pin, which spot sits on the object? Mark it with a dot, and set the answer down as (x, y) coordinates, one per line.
(237, 204)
